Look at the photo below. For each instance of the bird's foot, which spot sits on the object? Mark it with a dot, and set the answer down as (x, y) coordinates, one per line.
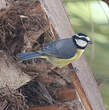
(74, 69)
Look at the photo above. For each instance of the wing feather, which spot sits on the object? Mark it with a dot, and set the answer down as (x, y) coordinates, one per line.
(63, 48)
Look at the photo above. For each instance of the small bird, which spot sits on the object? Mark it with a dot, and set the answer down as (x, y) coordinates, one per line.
(60, 52)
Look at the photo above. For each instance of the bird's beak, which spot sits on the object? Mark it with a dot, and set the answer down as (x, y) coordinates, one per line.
(90, 42)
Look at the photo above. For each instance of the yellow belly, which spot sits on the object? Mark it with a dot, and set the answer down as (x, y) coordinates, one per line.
(63, 62)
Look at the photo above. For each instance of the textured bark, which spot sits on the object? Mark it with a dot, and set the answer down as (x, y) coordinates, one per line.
(70, 105)
(10, 73)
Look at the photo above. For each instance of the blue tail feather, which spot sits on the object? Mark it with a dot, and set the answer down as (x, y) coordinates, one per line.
(28, 55)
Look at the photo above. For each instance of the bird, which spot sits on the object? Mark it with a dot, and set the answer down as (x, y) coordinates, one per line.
(60, 52)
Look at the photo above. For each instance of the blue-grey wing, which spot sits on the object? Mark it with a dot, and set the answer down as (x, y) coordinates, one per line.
(63, 48)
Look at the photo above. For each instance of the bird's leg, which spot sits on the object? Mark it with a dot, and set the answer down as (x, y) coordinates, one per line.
(65, 68)
(73, 69)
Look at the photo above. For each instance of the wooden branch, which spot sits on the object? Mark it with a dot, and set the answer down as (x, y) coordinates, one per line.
(66, 94)
(52, 107)
(69, 105)
(88, 90)
(10, 74)
(80, 90)
(83, 81)
(56, 14)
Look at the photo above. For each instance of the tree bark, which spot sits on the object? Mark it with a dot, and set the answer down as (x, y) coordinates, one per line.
(10, 73)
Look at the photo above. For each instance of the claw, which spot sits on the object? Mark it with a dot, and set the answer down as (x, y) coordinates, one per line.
(74, 69)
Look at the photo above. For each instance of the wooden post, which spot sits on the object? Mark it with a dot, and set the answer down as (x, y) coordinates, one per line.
(83, 80)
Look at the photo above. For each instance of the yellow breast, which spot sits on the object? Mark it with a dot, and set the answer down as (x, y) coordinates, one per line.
(77, 55)
(63, 62)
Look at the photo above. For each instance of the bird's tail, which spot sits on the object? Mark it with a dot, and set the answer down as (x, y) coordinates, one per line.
(28, 55)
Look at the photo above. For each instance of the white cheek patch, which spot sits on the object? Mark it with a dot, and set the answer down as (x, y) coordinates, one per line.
(81, 43)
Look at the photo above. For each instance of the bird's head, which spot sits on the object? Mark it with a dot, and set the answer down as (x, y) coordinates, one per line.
(81, 40)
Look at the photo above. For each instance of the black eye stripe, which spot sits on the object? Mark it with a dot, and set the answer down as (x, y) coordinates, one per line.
(82, 39)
